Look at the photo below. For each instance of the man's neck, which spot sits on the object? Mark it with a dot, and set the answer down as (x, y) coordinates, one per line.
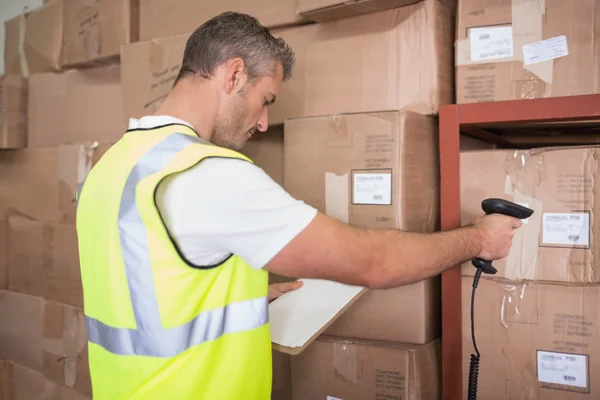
(194, 103)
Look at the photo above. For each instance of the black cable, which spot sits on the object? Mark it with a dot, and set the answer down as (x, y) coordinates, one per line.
(474, 366)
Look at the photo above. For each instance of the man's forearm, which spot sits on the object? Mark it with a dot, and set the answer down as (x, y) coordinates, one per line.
(403, 258)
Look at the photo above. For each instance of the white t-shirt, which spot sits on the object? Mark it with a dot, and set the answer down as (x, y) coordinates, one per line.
(227, 206)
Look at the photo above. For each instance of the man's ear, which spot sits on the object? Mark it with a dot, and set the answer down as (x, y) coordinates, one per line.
(235, 75)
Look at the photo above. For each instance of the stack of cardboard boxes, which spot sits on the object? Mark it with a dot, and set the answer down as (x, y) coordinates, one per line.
(536, 320)
(354, 134)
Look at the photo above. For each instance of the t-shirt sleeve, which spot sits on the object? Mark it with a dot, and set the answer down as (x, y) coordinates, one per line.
(230, 206)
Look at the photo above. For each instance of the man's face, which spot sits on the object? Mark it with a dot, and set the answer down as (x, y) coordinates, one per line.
(245, 110)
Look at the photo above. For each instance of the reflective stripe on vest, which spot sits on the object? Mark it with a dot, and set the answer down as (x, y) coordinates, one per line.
(150, 338)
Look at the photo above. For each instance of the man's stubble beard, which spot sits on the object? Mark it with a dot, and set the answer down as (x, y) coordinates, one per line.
(229, 131)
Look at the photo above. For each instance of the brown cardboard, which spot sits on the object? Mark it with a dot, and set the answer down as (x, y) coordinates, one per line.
(5, 380)
(382, 61)
(149, 70)
(44, 260)
(28, 385)
(160, 18)
(33, 40)
(28, 183)
(324, 156)
(282, 377)
(328, 10)
(75, 106)
(514, 322)
(41, 183)
(531, 21)
(13, 112)
(3, 254)
(21, 329)
(383, 315)
(551, 180)
(412, 44)
(65, 347)
(95, 30)
(367, 370)
(266, 150)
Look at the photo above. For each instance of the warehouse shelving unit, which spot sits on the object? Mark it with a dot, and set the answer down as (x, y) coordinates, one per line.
(573, 120)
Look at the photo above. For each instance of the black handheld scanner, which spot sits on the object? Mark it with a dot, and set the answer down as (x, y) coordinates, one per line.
(504, 207)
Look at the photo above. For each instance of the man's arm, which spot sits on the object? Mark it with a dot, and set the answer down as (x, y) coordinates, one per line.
(329, 249)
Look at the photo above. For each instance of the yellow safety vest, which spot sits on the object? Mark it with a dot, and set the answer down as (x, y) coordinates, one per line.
(159, 327)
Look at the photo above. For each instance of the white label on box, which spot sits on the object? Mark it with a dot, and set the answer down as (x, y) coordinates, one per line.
(562, 369)
(374, 189)
(333, 398)
(571, 229)
(545, 50)
(491, 43)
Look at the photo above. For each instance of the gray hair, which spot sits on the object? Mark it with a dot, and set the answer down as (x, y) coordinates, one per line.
(230, 35)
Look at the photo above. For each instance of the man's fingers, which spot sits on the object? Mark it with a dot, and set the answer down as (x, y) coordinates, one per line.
(287, 286)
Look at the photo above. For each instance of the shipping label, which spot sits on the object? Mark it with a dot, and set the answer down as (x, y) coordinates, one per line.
(565, 370)
(372, 188)
(491, 43)
(566, 229)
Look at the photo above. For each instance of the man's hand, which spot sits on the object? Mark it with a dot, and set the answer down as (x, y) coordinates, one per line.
(496, 232)
(277, 289)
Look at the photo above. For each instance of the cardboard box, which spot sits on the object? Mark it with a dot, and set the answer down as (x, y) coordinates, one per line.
(391, 60)
(328, 10)
(43, 260)
(21, 329)
(13, 112)
(63, 34)
(526, 49)
(557, 243)
(149, 70)
(65, 347)
(282, 377)
(363, 169)
(537, 341)
(41, 183)
(75, 107)
(3, 254)
(95, 30)
(33, 41)
(367, 370)
(414, 71)
(28, 385)
(383, 315)
(5, 380)
(266, 150)
(160, 18)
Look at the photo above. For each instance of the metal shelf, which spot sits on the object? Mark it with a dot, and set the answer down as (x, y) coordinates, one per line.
(573, 120)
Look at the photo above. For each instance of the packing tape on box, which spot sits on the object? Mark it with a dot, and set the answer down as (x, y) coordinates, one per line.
(344, 361)
(68, 343)
(522, 34)
(80, 155)
(337, 197)
(519, 184)
(22, 33)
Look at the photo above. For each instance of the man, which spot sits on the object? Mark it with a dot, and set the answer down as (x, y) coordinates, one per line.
(177, 231)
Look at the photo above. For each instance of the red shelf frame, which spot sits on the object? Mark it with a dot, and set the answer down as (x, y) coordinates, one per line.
(480, 115)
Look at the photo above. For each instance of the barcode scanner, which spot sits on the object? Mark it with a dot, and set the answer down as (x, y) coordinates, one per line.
(489, 206)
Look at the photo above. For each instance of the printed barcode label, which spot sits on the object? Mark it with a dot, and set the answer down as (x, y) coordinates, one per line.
(569, 229)
(372, 188)
(562, 369)
(491, 43)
